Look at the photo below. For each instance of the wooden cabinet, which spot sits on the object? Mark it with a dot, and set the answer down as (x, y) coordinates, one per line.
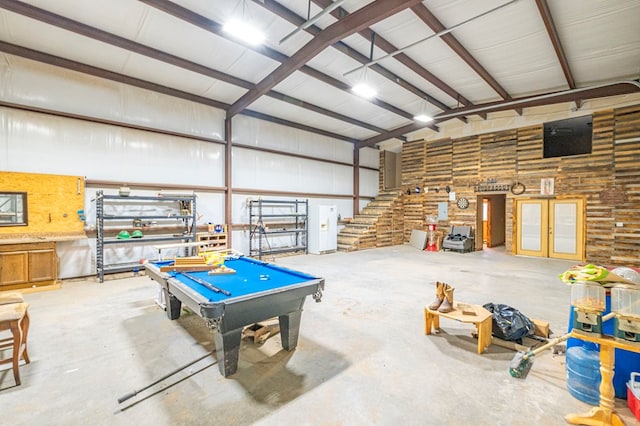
(27, 265)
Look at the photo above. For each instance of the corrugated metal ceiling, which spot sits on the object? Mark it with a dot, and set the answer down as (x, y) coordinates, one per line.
(513, 52)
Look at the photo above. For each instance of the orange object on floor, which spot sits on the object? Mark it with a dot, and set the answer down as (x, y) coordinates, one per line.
(15, 318)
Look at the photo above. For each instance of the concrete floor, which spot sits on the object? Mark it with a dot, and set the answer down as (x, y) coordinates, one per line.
(362, 357)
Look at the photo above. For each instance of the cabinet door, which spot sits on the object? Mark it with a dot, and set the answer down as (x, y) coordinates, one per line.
(42, 265)
(14, 268)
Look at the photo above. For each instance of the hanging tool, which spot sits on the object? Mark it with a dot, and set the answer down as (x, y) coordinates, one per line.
(522, 361)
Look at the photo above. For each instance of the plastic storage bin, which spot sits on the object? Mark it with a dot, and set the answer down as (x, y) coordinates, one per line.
(625, 300)
(633, 394)
(588, 296)
(583, 373)
(626, 362)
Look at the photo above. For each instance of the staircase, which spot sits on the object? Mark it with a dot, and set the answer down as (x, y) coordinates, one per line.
(379, 224)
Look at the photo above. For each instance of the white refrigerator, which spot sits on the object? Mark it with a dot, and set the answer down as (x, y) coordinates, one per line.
(323, 229)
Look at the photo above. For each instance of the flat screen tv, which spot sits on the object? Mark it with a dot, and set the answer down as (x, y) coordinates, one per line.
(571, 136)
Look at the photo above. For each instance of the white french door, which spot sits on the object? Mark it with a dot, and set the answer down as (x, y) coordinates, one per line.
(550, 228)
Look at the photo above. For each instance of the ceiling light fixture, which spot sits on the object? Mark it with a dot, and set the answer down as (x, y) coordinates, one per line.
(423, 118)
(244, 31)
(364, 90)
(239, 26)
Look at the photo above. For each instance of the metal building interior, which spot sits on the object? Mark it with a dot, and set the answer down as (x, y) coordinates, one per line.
(404, 116)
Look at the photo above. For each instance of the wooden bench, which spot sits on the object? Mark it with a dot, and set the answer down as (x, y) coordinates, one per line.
(465, 313)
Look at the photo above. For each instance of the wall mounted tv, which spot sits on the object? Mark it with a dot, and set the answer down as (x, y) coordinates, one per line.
(571, 136)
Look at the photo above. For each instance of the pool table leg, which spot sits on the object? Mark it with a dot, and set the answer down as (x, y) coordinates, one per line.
(227, 349)
(172, 305)
(289, 329)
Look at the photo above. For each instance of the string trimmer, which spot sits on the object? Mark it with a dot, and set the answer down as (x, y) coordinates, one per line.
(522, 362)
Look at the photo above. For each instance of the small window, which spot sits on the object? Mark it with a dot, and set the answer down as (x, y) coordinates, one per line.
(13, 208)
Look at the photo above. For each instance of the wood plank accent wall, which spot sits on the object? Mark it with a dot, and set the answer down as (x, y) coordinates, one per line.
(466, 166)
(517, 155)
(53, 202)
(588, 177)
(413, 171)
(437, 176)
(626, 249)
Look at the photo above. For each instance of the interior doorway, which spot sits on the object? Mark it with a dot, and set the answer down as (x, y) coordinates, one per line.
(491, 221)
(392, 174)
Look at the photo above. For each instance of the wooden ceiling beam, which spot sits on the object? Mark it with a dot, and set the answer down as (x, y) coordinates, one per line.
(57, 61)
(436, 26)
(215, 28)
(403, 58)
(59, 21)
(552, 32)
(362, 18)
(606, 90)
(132, 46)
(292, 17)
(323, 111)
(286, 14)
(547, 19)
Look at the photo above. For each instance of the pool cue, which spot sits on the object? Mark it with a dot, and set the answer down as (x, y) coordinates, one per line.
(129, 395)
(206, 284)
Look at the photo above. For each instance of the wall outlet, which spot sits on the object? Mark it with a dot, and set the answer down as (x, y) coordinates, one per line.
(619, 224)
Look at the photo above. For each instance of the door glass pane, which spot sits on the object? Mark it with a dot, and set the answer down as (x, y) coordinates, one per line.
(531, 223)
(565, 227)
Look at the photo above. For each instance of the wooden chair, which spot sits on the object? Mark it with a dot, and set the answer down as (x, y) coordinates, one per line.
(14, 317)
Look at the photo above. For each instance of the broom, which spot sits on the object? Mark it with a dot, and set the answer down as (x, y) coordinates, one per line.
(522, 361)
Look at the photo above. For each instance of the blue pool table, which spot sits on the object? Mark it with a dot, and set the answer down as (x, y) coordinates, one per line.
(258, 291)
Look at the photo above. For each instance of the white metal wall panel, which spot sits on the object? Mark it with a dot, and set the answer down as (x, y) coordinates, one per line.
(41, 143)
(275, 172)
(368, 183)
(26, 82)
(260, 133)
(370, 157)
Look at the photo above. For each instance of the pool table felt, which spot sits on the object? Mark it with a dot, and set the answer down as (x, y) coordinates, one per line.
(247, 279)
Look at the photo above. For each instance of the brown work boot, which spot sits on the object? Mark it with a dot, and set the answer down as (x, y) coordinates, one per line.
(447, 303)
(439, 296)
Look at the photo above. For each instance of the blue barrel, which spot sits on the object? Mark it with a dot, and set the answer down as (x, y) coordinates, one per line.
(625, 362)
(583, 373)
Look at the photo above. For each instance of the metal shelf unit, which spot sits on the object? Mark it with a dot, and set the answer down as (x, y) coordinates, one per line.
(285, 221)
(179, 211)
